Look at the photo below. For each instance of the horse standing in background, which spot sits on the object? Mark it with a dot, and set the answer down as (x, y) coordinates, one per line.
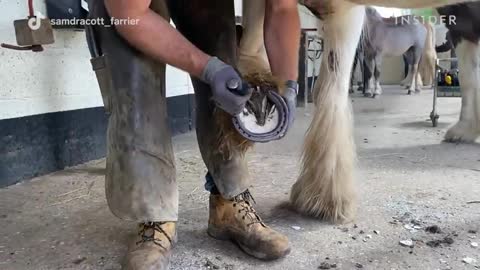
(384, 38)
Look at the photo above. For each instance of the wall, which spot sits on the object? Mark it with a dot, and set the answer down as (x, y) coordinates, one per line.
(51, 110)
(58, 79)
(392, 71)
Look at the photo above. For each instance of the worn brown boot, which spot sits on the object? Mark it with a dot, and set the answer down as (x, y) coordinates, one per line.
(152, 246)
(237, 221)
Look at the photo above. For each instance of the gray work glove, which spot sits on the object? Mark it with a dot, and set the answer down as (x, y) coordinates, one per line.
(290, 97)
(228, 90)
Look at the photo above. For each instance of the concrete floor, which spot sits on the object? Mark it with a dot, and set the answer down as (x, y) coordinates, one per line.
(407, 177)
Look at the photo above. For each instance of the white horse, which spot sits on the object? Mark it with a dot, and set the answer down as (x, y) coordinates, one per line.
(324, 188)
(405, 35)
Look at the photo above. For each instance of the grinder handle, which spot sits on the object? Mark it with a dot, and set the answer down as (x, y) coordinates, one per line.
(238, 87)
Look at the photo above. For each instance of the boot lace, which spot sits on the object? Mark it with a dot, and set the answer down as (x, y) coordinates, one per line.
(148, 230)
(244, 201)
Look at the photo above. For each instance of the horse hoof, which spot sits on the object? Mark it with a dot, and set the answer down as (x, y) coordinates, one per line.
(376, 96)
(417, 91)
(409, 92)
(461, 133)
(368, 94)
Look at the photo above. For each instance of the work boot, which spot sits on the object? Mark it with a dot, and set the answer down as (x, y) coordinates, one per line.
(152, 246)
(237, 221)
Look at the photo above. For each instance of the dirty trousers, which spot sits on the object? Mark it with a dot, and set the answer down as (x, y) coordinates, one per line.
(140, 176)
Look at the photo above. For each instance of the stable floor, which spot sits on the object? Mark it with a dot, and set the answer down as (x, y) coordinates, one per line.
(407, 180)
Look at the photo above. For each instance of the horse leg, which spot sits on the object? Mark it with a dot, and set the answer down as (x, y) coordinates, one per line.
(467, 129)
(324, 188)
(411, 72)
(361, 62)
(415, 82)
(352, 75)
(406, 70)
(251, 51)
(370, 79)
(366, 74)
(405, 82)
(413, 78)
(409, 59)
(378, 64)
(419, 81)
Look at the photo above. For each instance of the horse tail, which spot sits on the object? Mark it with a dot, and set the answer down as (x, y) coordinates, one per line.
(427, 60)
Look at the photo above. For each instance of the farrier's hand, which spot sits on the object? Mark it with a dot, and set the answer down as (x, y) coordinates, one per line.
(221, 77)
(290, 97)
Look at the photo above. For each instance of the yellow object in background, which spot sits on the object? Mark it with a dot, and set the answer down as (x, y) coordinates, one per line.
(448, 79)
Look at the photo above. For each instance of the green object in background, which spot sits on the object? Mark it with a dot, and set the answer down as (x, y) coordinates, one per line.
(423, 12)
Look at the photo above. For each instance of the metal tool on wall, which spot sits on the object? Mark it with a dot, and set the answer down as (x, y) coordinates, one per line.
(314, 59)
(31, 33)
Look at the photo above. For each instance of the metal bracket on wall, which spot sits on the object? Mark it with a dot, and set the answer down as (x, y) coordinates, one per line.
(33, 31)
(316, 55)
(307, 38)
(31, 34)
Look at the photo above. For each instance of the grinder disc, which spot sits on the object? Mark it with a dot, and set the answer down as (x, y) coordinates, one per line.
(263, 121)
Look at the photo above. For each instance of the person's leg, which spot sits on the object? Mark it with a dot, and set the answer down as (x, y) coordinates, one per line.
(210, 25)
(140, 177)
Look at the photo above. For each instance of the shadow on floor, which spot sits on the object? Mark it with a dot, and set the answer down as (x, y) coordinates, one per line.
(424, 124)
